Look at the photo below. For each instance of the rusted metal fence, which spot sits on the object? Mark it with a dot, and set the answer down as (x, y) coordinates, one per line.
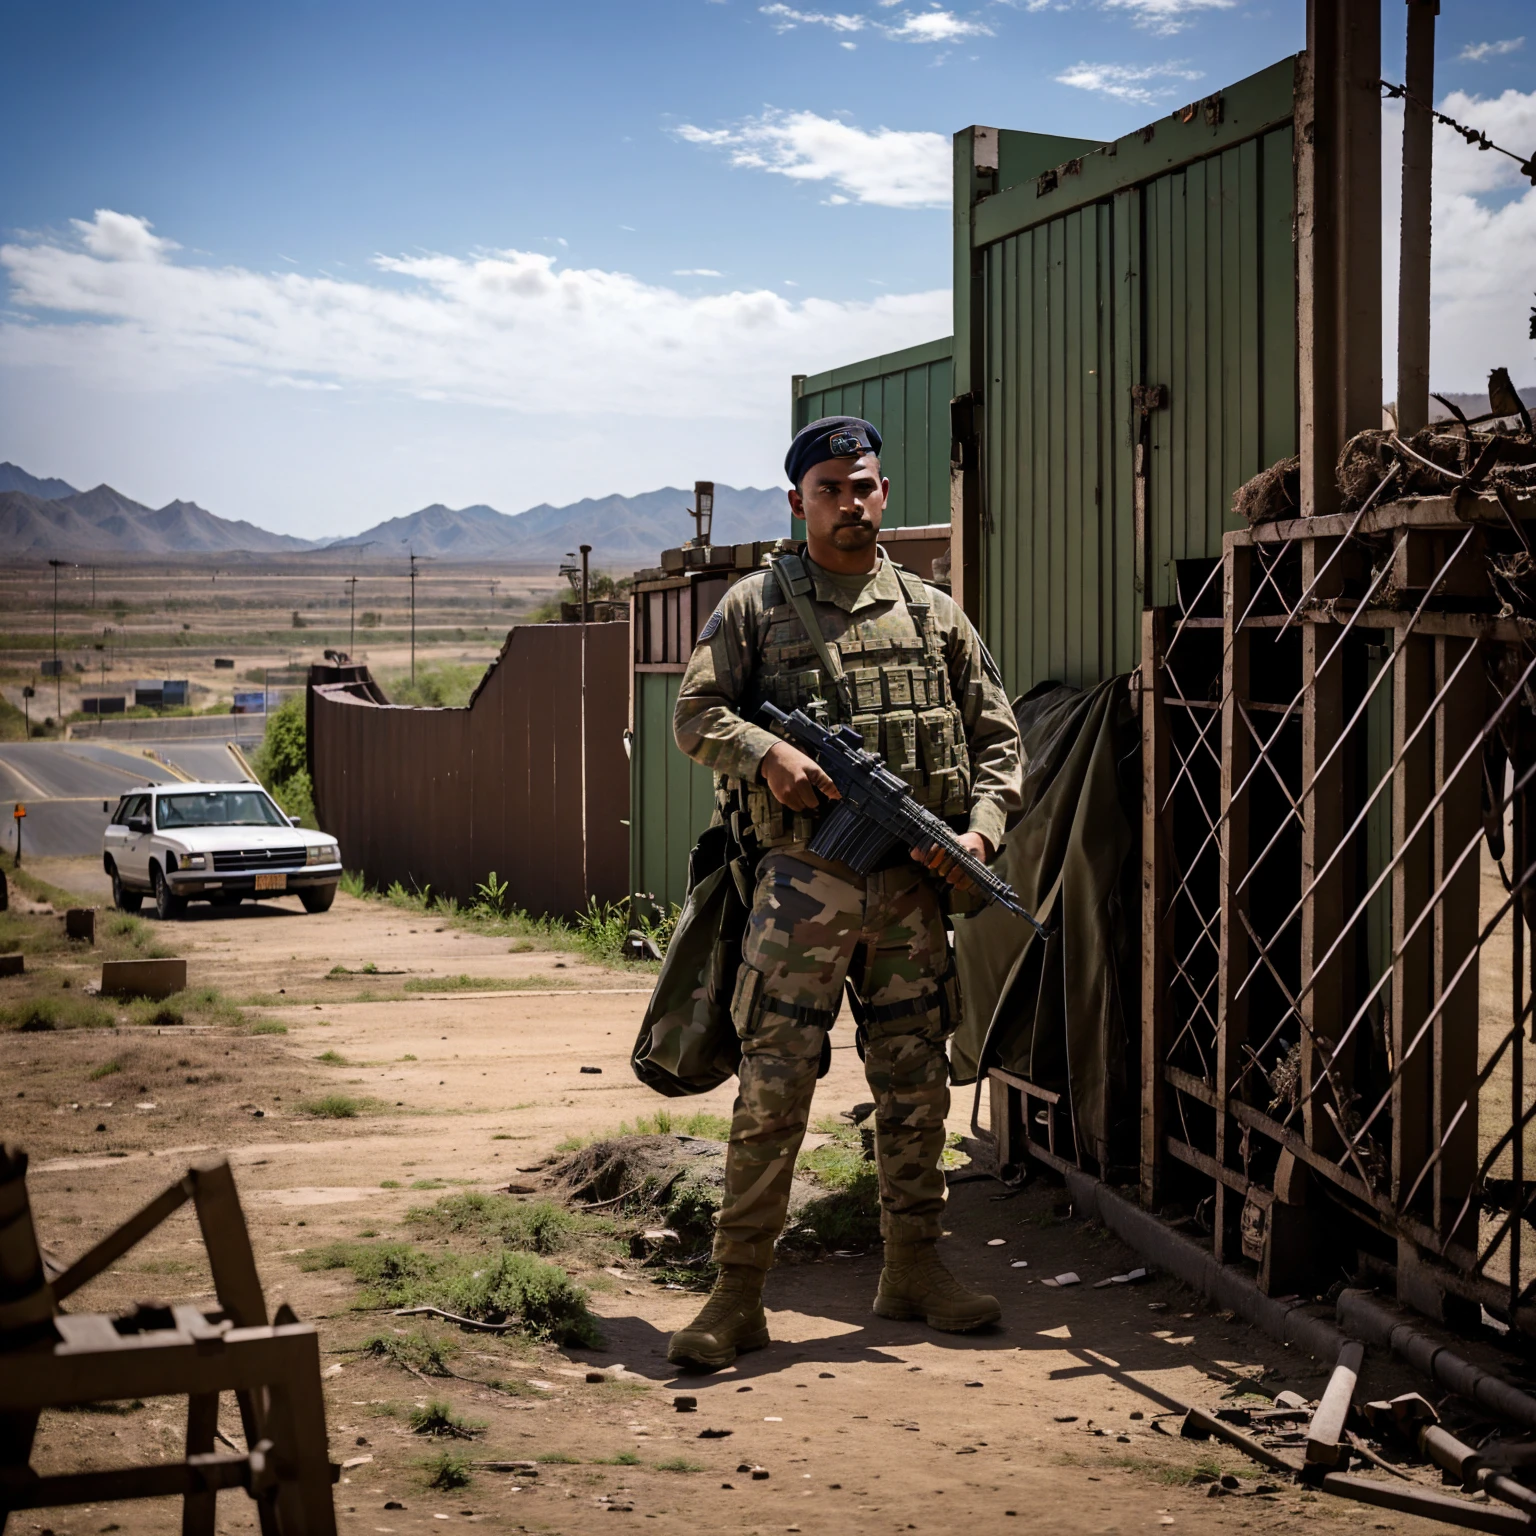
(1339, 746)
(512, 783)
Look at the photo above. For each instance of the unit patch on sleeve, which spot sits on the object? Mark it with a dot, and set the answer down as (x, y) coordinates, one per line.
(711, 624)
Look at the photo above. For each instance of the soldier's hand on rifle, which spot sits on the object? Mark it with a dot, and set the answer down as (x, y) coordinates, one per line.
(941, 864)
(795, 779)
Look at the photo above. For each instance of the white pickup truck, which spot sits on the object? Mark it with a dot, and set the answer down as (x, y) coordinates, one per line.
(221, 843)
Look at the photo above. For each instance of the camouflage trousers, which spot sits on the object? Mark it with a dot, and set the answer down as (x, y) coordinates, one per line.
(811, 920)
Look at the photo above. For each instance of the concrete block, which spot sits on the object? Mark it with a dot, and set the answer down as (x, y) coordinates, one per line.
(143, 978)
(12, 965)
(80, 923)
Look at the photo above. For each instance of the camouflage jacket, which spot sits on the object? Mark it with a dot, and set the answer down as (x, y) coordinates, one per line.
(730, 672)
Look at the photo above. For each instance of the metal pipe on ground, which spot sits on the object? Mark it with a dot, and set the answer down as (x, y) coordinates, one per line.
(1362, 1315)
(1369, 1318)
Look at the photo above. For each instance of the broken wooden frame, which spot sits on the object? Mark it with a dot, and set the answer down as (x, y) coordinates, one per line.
(52, 1360)
(1339, 752)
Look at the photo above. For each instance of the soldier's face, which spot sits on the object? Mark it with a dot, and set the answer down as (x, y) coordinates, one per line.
(842, 502)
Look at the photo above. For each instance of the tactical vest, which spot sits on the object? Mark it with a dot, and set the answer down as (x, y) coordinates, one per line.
(894, 690)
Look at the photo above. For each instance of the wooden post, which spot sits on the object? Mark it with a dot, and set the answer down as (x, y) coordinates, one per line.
(1338, 230)
(1456, 927)
(1413, 256)
(1322, 828)
(1236, 757)
(199, 1511)
(1154, 904)
(976, 166)
(1412, 971)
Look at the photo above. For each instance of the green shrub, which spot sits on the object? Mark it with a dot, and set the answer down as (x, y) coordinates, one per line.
(281, 763)
(538, 1297)
(438, 1418)
(333, 1106)
(414, 1351)
(447, 1470)
(106, 1069)
(534, 1226)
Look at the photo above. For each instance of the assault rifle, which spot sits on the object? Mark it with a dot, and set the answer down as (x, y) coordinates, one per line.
(877, 812)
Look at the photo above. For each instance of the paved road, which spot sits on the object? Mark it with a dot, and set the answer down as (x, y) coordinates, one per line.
(68, 787)
(212, 763)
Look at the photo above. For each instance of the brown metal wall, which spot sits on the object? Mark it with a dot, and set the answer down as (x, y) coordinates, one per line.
(440, 797)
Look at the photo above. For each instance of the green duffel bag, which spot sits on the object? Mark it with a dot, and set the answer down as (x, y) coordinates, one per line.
(687, 1042)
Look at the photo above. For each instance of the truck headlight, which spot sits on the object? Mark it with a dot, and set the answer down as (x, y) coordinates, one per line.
(321, 853)
(194, 861)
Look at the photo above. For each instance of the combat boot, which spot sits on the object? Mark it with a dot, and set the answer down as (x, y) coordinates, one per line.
(732, 1321)
(914, 1283)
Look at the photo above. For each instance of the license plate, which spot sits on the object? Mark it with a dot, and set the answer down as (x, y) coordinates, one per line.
(271, 882)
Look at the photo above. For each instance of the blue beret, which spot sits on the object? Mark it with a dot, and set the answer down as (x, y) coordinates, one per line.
(833, 437)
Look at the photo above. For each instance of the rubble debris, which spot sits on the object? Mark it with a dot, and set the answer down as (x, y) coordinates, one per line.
(1327, 1427)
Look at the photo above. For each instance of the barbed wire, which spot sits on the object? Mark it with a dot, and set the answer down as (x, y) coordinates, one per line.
(1471, 135)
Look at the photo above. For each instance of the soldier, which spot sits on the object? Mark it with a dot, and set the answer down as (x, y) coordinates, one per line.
(843, 633)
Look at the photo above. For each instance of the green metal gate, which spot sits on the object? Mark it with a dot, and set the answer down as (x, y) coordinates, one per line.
(1126, 331)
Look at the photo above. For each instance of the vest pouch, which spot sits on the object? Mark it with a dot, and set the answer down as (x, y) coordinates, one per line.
(936, 738)
(898, 687)
(867, 694)
(900, 732)
(868, 726)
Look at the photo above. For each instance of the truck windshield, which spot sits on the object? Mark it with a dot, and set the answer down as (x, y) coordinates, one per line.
(219, 808)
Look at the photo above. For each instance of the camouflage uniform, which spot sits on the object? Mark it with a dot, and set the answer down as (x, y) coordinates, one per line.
(922, 690)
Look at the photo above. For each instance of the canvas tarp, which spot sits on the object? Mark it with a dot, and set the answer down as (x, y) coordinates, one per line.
(1061, 1012)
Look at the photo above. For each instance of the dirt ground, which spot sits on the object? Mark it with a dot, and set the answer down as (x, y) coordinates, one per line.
(1059, 1420)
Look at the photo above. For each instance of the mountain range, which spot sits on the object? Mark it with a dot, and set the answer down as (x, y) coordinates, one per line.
(40, 517)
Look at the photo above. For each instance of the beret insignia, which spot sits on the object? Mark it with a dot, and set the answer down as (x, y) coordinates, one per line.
(844, 445)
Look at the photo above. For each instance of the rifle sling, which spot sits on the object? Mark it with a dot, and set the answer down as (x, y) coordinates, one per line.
(795, 583)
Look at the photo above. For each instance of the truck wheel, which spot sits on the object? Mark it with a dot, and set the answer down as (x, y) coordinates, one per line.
(318, 898)
(168, 904)
(122, 898)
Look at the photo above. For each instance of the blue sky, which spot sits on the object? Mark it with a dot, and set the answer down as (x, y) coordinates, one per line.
(317, 265)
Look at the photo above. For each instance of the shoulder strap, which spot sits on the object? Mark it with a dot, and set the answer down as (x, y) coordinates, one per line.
(795, 582)
(913, 588)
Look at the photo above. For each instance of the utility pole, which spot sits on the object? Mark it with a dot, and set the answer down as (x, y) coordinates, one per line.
(1413, 256)
(352, 631)
(586, 551)
(58, 677)
(414, 559)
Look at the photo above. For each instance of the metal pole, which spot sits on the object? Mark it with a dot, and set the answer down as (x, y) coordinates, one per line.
(413, 621)
(58, 677)
(352, 631)
(1413, 259)
(586, 551)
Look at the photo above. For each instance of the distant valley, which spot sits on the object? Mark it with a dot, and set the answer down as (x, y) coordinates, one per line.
(42, 517)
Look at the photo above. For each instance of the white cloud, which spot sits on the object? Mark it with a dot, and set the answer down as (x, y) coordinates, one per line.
(510, 329)
(935, 26)
(1129, 82)
(891, 167)
(785, 18)
(1480, 53)
(696, 272)
(1484, 215)
(1165, 17)
(122, 237)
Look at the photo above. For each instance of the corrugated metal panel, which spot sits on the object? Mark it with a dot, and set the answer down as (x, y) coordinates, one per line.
(671, 796)
(1165, 258)
(1220, 286)
(906, 395)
